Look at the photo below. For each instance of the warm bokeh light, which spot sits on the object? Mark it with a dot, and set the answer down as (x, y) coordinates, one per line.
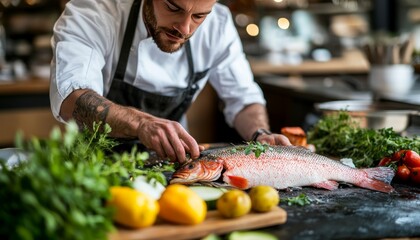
(283, 23)
(252, 29)
(31, 2)
(278, 1)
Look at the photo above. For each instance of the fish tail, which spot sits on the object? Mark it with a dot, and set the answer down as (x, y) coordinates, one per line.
(384, 174)
(378, 179)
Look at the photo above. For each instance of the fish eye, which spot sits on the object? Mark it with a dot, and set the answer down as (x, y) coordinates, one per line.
(190, 166)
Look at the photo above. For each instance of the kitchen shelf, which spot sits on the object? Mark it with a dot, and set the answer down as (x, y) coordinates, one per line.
(327, 8)
(29, 86)
(352, 61)
(25, 106)
(24, 94)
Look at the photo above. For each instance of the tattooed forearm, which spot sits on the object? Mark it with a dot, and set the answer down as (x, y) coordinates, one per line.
(89, 108)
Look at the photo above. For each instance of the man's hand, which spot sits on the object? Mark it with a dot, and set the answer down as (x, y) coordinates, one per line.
(167, 138)
(274, 139)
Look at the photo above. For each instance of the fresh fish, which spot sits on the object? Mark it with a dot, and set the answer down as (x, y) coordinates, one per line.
(280, 167)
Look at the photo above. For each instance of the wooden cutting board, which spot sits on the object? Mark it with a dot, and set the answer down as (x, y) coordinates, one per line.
(214, 223)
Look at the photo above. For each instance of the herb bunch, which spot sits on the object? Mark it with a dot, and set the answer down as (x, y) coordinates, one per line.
(257, 148)
(61, 190)
(338, 135)
(300, 200)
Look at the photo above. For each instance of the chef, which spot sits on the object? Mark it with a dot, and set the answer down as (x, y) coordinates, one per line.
(139, 64)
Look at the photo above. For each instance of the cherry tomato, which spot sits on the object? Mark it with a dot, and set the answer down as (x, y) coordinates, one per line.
(403, 173)
(415, 175)
(385, 161)
(399, 155)
(411, 159)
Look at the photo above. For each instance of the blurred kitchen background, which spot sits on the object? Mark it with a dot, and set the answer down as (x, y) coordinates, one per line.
(302, 52)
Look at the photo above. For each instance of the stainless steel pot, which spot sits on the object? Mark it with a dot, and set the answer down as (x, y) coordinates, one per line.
(374, 115)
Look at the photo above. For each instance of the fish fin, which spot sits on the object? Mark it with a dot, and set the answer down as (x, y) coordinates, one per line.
(238, 182)
(348, 162)
(384, 174)
(378, 179)
(329, 185)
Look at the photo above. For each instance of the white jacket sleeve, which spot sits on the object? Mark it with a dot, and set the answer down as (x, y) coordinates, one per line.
(82, 39)
(232, 78)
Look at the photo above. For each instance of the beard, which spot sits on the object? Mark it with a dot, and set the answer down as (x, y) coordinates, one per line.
(158, 33)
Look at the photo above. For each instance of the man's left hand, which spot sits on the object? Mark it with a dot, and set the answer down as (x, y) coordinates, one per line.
(274, 139)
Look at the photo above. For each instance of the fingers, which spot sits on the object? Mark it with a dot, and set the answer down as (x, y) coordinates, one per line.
(169, 145)
(154, 144)
(266, 139)
(282, 140)
(191, 145)
(158, 149)
(173, 148)
(169, 139)
(202, 148)
(274, 139)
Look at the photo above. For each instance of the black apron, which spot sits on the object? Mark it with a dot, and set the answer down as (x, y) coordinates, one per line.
(169, 107)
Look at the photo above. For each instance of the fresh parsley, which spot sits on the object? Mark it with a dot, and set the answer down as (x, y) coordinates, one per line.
(300, 200)
(340, 136)
(61, 190)
(257, 148)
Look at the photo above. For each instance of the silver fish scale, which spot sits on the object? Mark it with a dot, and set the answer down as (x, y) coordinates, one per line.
(283, 167)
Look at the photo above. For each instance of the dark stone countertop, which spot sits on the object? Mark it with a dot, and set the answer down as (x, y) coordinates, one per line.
(351, 213)
(347, 213)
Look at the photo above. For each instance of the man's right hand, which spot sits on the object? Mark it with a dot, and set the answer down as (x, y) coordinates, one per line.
(168, 138)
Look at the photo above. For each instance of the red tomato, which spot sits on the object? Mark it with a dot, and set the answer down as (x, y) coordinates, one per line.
(403, 173)
(415, 175)
(411, 159)
(399, 155)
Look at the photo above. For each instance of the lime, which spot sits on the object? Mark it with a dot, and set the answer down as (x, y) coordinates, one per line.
(234, 203)
(263, 198)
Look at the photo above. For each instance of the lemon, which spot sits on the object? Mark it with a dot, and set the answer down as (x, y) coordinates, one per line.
(263, 198)
(179, 204)
(234, 203)
(133, 208)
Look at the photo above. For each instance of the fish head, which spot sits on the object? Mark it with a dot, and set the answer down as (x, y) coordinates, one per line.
(198, 171)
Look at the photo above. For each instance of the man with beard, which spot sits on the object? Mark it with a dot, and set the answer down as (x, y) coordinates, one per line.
(138, 64)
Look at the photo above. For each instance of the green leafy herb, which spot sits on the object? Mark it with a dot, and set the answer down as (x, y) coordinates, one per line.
(60, 191)
(338, 135)
(257, 148)
(300, 200)
(393, 165)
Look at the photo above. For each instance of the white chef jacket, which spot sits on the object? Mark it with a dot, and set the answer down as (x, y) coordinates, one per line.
(87, 42)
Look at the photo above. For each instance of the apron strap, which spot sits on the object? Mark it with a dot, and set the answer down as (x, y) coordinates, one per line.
(190, 63)
(118, 86)
(127, 41)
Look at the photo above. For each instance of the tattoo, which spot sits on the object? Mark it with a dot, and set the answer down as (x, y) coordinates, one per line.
(90, 108)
